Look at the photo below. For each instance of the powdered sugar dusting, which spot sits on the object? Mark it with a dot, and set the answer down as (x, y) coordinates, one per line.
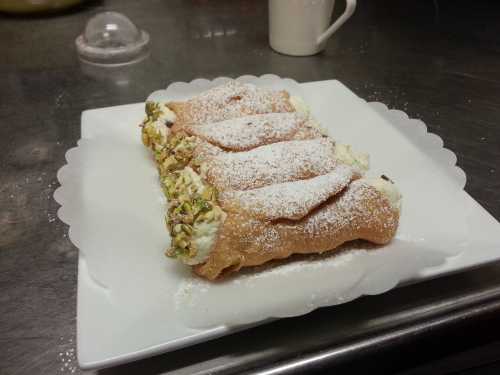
(271, 164)
(289, 200)
(358, 212)
(233, 100)
(352, 210)
(247, 132)
(204, 149)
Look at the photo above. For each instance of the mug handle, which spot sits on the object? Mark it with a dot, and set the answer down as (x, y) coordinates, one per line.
(350, 6)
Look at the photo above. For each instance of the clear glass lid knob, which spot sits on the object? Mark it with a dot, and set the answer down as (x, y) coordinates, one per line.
(111, 38)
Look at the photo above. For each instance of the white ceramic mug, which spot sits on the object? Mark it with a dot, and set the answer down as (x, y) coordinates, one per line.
(302, 27)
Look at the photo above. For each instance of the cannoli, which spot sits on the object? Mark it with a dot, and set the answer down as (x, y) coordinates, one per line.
(270, 164)
(155, 127)
(361, 211)
(247, 132)
(230, 100)
(220, 232)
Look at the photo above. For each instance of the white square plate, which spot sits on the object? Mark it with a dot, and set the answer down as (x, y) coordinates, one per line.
(133, 303)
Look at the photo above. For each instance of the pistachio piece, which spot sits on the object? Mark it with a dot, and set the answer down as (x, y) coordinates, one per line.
(201, 205)
(209, 216)
(187, 179)
(181, 243)
(177, 211)
(169, 164)
(196, 162)
(188, 229)
(184, 198)
(174, 203)
(153, 110)
(168, 181)
(150, 108)
(161, 155)
(175, 252)
(192, 251)
(186, 207)
(188, 218)
(171, 193)
(209, 193)
(145, 139)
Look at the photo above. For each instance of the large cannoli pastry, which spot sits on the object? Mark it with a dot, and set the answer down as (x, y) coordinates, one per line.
(228, 101)
(221, 231)
(360, 211)
(195, 143)
(247, 132)
(253, 188)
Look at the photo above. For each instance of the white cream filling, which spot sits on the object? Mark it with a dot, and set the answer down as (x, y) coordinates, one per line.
(301, 107)
(204, 234)
(358, 160)
(389, 190)
(160, 124)
(195, 178)
(203, 169)
(315, 124)
(166, 115)
(203, 238)
(161, 129)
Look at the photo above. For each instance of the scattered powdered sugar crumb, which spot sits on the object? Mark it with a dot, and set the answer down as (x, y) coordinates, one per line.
(290, 200)
(315, 262)
(205, 150)
(351, 205)
(271, 164)
(267, 239)
(357, 209)
(67, 357)
(204, 304)
(288, 267)
(250, 131)
(232, 100)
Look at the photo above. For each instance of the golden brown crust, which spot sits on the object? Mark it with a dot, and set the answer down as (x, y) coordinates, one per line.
(360, 212)
(247, 132)
(271, 164)
(290, 200)
(228, 101)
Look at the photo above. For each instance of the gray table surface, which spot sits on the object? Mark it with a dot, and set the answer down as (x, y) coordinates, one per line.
(436, 60)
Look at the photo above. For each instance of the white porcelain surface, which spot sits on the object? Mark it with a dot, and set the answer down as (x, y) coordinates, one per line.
(302, 27)
(133, 302)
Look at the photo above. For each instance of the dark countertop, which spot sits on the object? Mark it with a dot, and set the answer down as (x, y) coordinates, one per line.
(436, 60)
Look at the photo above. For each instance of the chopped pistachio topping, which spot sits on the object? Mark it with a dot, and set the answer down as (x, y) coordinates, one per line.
(153, 110)
(176, 153)
(192, 203)
(193, 214)
(155, 125)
